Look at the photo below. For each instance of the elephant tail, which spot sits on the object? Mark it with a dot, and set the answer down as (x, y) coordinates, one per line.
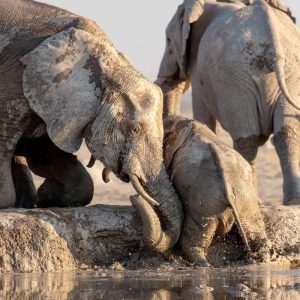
(229, 194)
(278, 62)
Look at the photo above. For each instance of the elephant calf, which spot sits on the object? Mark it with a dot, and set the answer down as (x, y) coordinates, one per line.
(216, 187)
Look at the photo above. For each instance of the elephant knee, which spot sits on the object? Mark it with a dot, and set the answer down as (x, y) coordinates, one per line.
(66, 191)
(26, 194)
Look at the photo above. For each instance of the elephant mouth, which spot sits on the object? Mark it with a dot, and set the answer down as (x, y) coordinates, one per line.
(124, 177)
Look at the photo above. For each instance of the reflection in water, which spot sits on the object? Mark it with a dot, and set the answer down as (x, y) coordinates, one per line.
(256, 282)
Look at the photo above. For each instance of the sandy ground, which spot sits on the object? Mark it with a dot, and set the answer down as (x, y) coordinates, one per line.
(269, 178)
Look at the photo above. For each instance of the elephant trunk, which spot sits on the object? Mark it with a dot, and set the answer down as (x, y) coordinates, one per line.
(172, 91)
(160, 235)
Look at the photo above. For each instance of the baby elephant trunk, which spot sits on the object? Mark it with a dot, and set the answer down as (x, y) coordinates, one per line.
(162, 221)
(154, 236)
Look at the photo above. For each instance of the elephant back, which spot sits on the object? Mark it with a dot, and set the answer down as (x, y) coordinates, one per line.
(24, 24)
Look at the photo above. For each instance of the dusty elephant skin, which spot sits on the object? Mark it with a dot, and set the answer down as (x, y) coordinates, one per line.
(60, 239)
(64, 82)
(243, 63)
(216, 187)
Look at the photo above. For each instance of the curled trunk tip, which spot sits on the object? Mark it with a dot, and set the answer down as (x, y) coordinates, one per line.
(154, 236)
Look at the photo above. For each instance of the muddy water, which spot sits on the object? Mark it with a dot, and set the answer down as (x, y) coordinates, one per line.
(255, 282)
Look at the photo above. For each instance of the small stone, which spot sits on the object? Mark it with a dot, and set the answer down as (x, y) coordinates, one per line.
(241, 290)
(116, 266)
(297, 286)
(201, 289)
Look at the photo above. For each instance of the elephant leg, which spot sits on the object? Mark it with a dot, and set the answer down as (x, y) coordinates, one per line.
(200, 111)
(287, 147)
(7, 189)
(26, 194)
(253, 227)
(197, 237)
(201, 114)
(67, 182)
(248, 148)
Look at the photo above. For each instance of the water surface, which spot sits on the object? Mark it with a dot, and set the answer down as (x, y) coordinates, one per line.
(254, 282)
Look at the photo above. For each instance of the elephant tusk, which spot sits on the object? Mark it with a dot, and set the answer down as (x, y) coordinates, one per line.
(106, 175)
(139, 189)
(91, 162)
(159, 81)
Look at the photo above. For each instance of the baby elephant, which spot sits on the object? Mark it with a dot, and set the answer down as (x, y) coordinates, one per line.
(216, 187)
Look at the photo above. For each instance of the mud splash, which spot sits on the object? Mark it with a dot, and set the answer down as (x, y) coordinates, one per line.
(253, 282)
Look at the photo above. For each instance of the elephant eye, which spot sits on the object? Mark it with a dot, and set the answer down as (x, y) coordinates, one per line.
(135, 129)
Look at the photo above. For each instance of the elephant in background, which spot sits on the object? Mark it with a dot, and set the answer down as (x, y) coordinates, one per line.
(243, 63)
(63, 81)
(215, 185)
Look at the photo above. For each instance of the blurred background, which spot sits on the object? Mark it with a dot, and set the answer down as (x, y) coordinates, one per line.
(137, 28)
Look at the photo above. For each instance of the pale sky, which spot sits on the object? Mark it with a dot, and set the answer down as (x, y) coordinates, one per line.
(136, 27)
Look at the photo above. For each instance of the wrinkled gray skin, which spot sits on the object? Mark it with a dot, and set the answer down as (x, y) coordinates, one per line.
(243, 63)
(64, 81)
(215, 185)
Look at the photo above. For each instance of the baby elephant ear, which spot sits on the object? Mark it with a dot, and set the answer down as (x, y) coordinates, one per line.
(61, 81)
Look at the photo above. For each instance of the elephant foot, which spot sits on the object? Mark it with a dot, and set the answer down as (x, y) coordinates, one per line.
(26, 201)
(262, 251)
(197, 257)
(26, 194)
(294, 200)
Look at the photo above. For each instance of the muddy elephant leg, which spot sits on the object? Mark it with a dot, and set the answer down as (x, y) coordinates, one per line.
(254, 230)
(7, 189)
(26, 193)
(287, 147)
(197, 237)
(67, 182)
(248, 148)
(201, 114)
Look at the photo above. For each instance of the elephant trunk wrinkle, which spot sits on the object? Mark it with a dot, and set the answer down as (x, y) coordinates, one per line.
(162, 224)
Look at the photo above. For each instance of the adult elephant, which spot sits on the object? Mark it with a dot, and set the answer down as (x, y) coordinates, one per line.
(244, 66)
(62, 80)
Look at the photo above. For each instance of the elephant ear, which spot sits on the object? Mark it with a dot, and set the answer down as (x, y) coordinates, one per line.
(278, 4)
(178, 32)
(61, 81)
(178, 131)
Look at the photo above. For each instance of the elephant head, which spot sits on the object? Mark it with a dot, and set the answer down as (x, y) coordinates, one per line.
(174, 71)
(83, 88)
